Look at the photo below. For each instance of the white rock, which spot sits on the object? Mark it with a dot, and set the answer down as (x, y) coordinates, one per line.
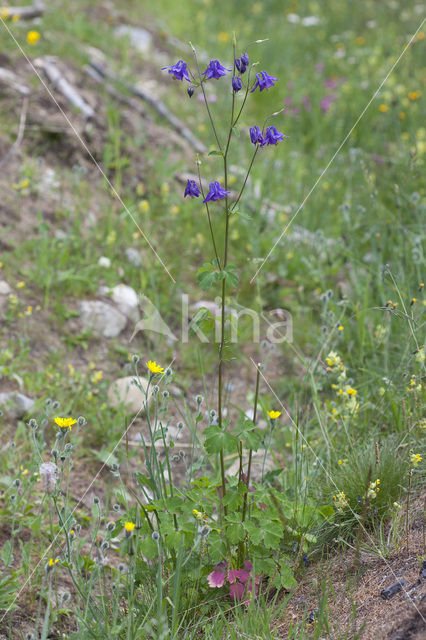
(102, 318)
(104, 262)
(5, 288)
(15, 404)
(141, 39)
(123, 392)
(126, 300)
(133, 257)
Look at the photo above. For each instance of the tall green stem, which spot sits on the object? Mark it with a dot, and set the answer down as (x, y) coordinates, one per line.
(222, 322)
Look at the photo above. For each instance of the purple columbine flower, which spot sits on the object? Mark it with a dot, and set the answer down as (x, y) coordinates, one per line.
(191, 189)
(272, 136)
(256, 136)
(245, 59)
(240, 65)
(215, 192)
(215, 70)
(179, 70)
(264, 81)
(236, 84)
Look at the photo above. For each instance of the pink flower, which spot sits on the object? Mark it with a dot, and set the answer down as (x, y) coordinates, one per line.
(240, 580)
(217, 577)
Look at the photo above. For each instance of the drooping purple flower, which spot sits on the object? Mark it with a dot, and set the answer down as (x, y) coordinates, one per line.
(245, 59)
(240, 65)
(179, 70)
(236, 84)
(191, 189)
(264, 81)
(190, 91)
(215, 70)
(215, 192)
(272, 136)
(256, 136)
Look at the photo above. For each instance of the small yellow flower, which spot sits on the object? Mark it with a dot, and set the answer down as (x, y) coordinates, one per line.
(383, 108)
(414, 95)
(351, 392)
(21, 285)
(340, 328)
(129, 526)
(29, 311)
(52, 562)
(33, 37)
(71, 370)
(413, 301)
(274, 414)
(4, 13)
(65, 423)
(415, 459)
(154, 367)
(401, 115)
(144, 206)
(111, 237)
(96, 377)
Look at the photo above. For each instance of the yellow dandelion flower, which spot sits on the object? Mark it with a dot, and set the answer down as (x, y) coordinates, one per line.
(33, 37)
(414, 95)
(129, 526)
(65, 423)
(351, 392)
(383, 108)
(154, 367)
(274, 414)
(340, 328)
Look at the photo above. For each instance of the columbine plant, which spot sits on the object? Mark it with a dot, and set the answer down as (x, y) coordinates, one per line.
(220, 270)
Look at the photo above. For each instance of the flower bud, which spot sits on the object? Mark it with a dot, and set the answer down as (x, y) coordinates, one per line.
(236, 84)
(190, 91)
